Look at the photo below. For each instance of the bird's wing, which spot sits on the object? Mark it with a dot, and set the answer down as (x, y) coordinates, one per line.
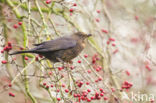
(57, 44)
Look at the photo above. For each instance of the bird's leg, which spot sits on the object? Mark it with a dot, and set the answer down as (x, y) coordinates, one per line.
(60, 60)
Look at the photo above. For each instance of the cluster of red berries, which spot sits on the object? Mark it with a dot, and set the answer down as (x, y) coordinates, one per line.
(11, 94)
(148, 67)
(95, 58)
(79, 84)
(7, 48)
(16, 26)
(111, 40)
(126, 85)
(85, 97)
(46, 86)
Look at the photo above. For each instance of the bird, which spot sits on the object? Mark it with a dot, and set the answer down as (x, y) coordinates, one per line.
(62, 49)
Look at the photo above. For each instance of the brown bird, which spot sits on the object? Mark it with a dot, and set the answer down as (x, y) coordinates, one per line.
(62, 49)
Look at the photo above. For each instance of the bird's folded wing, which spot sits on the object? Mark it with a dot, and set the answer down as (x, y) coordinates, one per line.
(54, 45)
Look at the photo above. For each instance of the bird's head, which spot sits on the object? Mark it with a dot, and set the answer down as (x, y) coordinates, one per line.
(82, 35)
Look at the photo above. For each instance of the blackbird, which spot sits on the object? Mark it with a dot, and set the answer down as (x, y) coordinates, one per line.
(62, 49)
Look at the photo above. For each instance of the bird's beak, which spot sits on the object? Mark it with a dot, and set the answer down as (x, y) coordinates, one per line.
(89, 35)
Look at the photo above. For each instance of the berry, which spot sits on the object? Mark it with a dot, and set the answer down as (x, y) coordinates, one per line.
(87, 83)
(66, 90)
(63, 85)
(71, 10)
(44, 84)
(11, 94)
(113, 44)
(98, 11)
(2, 51)
(4, 61)
(127, 72)
(48, 1)
(97, 20)
(47, 87)
(10, 85)
(60, 68)
(74, 4)
(58, 99)
(104, 31)
(79, 61)
(15, 26)
(50, 73)
(19, 23)
(26, 58)
(51, 85)
(85, 55)
(88, 90)
(57, 90)
(101, 94)
(111, 39)
(105, 98)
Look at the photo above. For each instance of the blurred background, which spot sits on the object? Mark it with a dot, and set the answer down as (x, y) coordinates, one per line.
(117, 66)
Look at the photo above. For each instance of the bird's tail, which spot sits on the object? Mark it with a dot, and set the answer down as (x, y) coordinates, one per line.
(19, 52)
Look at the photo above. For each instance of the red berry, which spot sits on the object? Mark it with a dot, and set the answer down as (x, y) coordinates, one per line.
(10, 85)
(11, 94)
(104, 31)
(40, 56)
(60, 68)
(15, 26)
(85, 55)
(105, 98)
(148, 68)
(9, 44)
(87, 83)
(99, 78)
(57, 90)
(108, 42)
(71, 67)
(97, 69)
(127, 72)
(88, 100)
(111, 39)
(2, 51)
(89, 71)
(74, 4)
(51, 85)
(75, 95)
(63, 85)
(58, 99)
(4, 61)
(101, 90)
(96, 80)
(36, 58)
(66, 90)
(44, 84)
(97, 20)
(50, 73)
(136, 17)
(26, 58)
(92, 97)
(47, 87)
(98, 11)
(79, 61)
(113, 44)
(113, 90)
(48, 1)
(89, 90)
(101, 94)
(19, 23)
(71, 10)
